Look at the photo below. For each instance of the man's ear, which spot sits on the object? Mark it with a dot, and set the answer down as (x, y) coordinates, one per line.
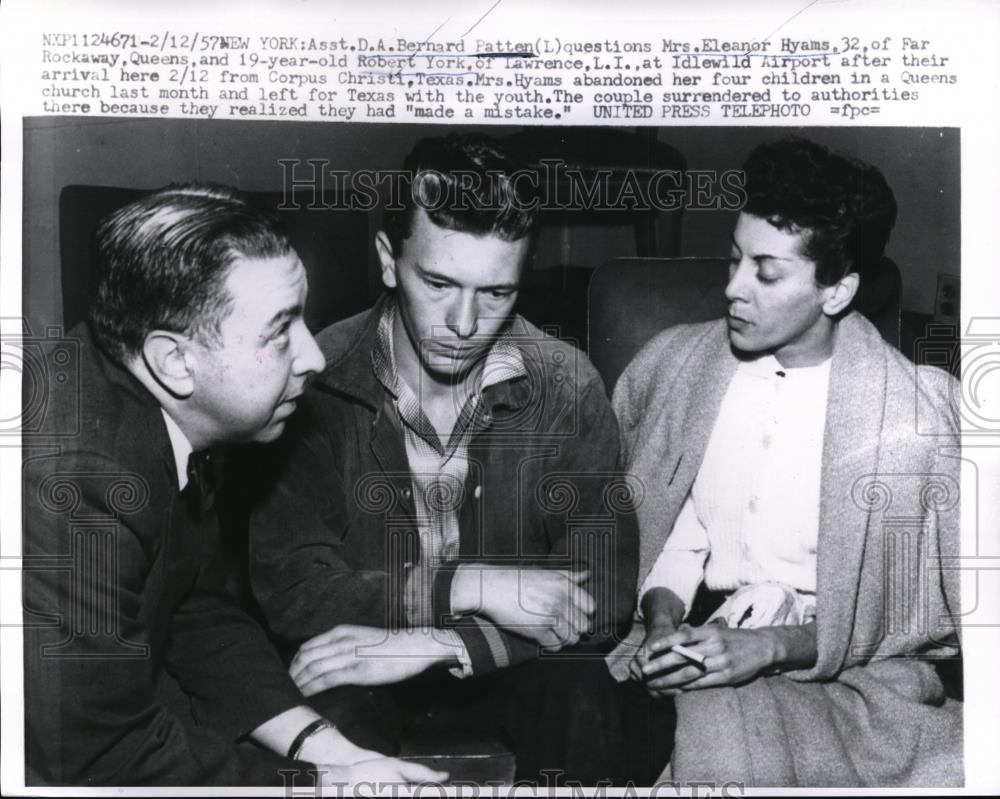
(169, 360)
(385, 256)
(840, 294)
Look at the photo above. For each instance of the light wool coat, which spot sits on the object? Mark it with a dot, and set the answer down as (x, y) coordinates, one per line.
(872, 711)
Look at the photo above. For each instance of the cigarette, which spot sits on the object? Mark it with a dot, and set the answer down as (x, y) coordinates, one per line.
(690, 654)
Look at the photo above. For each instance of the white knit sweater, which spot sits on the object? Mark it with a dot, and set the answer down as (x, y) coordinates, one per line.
(752, 515)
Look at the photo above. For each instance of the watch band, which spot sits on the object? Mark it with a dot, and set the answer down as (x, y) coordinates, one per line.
(308, 732)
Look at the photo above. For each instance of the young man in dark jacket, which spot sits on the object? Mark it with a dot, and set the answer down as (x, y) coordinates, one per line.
(445, 522)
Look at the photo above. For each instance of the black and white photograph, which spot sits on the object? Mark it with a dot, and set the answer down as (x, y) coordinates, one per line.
(375, 421)
(530, 456)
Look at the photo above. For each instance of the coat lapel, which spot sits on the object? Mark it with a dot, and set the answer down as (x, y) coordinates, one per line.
(855, 412)
(704, 402)
(713, 365)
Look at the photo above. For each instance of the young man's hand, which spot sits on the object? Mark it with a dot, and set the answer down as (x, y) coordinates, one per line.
(550, 606)
(349, 654)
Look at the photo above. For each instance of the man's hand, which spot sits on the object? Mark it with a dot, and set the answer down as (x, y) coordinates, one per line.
(353, 655)
(550, 606)
(732, 657)
(330, 747)
(378, 771)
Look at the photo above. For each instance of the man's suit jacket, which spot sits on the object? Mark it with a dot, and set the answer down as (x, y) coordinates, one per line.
(139, 667)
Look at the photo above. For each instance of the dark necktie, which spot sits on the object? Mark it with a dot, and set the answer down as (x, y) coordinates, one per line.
(199, 493)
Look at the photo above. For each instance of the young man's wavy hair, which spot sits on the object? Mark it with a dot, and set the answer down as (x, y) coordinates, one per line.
(466, 183)
(162, 263)
(845, 206)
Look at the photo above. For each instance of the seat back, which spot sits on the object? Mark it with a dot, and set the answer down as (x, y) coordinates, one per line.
(633, 299)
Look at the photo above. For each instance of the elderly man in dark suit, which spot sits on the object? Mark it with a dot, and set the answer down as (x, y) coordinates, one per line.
(139, 667)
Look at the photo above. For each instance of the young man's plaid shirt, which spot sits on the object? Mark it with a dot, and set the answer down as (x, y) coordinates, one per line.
(438, 472)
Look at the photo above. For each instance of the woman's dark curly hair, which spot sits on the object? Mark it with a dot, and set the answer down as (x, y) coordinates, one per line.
(845, 206)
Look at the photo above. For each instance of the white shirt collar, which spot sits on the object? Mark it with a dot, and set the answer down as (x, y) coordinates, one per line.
(181, 447)
(769, 367)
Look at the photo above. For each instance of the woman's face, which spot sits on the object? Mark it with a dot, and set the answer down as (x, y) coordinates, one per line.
(775, 304)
